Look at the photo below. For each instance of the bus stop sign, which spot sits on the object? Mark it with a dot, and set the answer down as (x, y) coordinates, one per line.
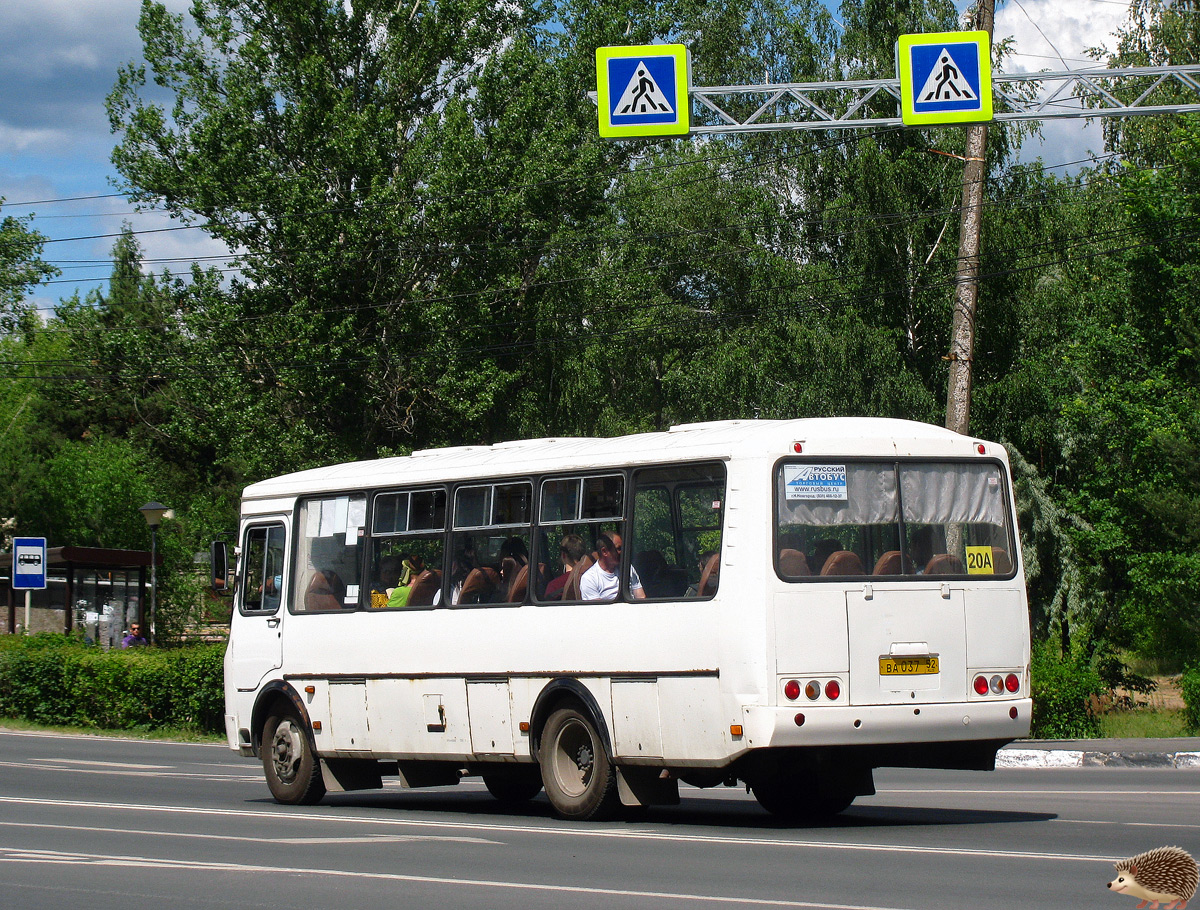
(29, 564)
(945, 78)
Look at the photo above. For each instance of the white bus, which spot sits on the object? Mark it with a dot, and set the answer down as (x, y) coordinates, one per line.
(790, 604)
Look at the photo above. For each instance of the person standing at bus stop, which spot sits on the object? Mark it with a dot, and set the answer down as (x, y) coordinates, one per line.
(601, 582)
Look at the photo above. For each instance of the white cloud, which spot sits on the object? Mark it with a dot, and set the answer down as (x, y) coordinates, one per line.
(1055, 35)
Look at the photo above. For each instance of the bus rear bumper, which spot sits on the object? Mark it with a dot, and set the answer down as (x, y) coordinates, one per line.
(868, 725)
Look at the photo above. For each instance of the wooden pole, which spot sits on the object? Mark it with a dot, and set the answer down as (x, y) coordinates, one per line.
(966, 283)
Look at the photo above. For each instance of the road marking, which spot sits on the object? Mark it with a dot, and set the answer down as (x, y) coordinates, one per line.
(12, 855)
(298, 841)
(126, 772)
(104, 764)
(575, 831)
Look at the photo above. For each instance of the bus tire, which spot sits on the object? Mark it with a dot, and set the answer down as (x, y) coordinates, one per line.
(578, 773)
(292, 769)
(513, 785)
(800, 801)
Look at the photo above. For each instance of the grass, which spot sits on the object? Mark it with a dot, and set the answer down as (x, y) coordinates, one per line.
(160, 735)
(1142, 724)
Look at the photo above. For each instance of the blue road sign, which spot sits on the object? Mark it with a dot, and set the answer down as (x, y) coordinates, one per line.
(643, 91)
(29, 564)
(945, 78)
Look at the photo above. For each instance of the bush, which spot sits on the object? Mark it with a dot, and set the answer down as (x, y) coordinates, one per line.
(60, 680)
(1064, 692)
(1189, 686)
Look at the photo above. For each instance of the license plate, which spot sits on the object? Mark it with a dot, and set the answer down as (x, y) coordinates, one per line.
(907, 666)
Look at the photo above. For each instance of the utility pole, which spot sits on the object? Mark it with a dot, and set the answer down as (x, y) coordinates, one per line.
(966, 281)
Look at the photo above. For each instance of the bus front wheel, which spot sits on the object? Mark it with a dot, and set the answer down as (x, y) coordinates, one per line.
(578, 774)
(292, 770)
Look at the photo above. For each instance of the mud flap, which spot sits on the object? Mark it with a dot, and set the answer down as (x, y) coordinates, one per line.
(646, 787)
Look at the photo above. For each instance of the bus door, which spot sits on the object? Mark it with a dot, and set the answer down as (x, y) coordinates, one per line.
(257, 648)
(907, 646)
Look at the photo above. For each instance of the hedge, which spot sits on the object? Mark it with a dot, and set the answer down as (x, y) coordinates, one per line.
(60, 680)
(1189, 687)
(1064, 693)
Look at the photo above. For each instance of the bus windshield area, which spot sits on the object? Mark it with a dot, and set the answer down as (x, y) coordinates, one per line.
(838, 518)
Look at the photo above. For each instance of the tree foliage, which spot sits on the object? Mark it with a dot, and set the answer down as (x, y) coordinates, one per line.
(433, 247)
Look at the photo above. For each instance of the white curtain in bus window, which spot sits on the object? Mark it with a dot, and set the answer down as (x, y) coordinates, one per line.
(327, 553)
(938, 492)
(830, 495)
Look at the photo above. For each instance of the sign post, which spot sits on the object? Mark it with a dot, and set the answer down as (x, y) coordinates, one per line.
(29, 570)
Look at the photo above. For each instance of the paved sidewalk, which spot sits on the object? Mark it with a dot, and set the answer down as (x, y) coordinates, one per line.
(1183, 752)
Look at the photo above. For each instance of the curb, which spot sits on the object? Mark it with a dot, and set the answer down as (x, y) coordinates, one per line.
(1072, 758)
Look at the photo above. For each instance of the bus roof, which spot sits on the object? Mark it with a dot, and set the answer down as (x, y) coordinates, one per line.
(833, 436)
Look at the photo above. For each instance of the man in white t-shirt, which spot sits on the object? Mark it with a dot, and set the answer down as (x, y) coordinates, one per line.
(601, 581)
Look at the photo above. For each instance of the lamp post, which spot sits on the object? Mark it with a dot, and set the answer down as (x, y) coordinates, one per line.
(154, 513)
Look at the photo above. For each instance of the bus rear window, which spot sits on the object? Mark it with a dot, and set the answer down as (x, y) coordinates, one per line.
(900, 519)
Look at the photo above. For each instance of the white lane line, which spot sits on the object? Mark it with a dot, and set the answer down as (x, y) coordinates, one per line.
(46, 765)
(299, 841)
(551, 831)
(10, 855)
(131, 766)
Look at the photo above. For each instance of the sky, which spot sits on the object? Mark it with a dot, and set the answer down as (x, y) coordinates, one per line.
(59, 60)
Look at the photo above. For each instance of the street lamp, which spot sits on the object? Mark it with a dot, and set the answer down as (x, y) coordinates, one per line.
(154, 513)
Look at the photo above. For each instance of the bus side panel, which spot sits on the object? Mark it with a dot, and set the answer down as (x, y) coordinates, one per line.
(695, 725)
(419, 718)
(810, 632)
(997, 629)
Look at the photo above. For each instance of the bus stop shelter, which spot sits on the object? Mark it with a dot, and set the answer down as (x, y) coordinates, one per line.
(99, 590)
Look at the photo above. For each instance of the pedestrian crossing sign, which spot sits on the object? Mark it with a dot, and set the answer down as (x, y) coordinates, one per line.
(945, 78)
(643, 91)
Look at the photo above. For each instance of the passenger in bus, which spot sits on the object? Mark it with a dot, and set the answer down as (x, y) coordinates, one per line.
(460, 568)
(570, 551)
(411, 568)
(601, 582)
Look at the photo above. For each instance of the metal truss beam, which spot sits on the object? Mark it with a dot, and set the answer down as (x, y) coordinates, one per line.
(869, 102)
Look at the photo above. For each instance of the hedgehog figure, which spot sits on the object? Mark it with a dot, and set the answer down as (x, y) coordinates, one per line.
(1166, 875)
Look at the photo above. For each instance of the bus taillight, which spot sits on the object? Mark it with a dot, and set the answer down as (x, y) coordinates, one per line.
(1011, 682)
(832, 690)
(981, 685)
(792, 689)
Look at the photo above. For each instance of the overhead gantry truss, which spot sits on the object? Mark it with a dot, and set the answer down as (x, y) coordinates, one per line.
(854, 104)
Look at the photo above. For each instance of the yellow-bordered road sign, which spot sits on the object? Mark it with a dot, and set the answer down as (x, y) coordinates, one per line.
(945, 78)
(643, 91)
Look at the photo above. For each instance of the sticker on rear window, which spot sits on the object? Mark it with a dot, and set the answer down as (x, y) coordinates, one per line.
(814, 481)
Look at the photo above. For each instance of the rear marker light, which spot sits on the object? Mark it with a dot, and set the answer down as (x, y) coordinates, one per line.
(813, 690)
(799, 720)
(1012, 683)
(981, 685)
(798, 448)
(980, 448)
(792, 689)
(832, 690)
(1012, 712)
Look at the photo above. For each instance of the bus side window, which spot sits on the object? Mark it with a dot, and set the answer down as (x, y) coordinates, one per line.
(676, 532)
(329, 530)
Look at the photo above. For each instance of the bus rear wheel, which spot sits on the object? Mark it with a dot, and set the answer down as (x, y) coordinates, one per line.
(513, 785)
(292, 769)
(801, 801)
(578, 774)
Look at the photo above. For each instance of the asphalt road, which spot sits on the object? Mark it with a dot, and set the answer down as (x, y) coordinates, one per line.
(98, 823)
